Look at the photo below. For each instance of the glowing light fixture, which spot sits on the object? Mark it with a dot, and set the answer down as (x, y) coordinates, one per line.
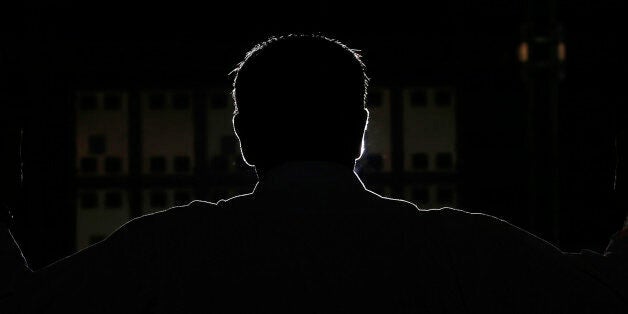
(523, 52)
(561, 51)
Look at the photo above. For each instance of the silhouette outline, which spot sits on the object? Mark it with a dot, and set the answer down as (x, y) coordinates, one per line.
(310, 237)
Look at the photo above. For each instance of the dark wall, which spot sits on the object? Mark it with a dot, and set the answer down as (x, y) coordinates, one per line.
(49, 50)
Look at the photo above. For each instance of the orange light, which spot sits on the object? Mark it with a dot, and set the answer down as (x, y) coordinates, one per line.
(561, 51)
(523, 52)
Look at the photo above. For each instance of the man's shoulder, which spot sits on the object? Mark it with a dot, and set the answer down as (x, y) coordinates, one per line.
(455, 220)
(203, 211)
(389, 202)
(444, 214)
(177, 217)
(200, 212)
(482, 230)
(194, 208)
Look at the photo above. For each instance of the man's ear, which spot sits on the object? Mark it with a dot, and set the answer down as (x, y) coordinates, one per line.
(243, 135)
(364, 118)
(235, 121)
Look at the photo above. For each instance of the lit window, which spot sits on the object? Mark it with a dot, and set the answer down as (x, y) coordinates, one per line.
(89, 164)
(113, 165)
(419, 161)
(443, 98)
(181, 101)
(181, 164)
(96, 144)
(112, 102)
(88, 200)
(88, 102)
(157, 164)
(418, 98)
(444, 161)
(158, 199)
(113, 200)
(156, 101)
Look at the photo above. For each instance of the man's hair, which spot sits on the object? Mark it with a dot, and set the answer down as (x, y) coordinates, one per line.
(292, 54)
(306, 86)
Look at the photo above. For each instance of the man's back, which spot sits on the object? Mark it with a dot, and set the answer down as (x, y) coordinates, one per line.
(338, 248)
(311, 238)
(287, 247)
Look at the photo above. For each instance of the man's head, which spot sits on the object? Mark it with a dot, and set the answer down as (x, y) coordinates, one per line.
(298, 98)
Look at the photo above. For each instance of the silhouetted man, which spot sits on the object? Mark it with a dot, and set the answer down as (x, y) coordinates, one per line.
(311, 238)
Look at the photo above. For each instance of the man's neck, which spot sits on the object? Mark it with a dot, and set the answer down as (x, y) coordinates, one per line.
(309, 175)
(305, 165)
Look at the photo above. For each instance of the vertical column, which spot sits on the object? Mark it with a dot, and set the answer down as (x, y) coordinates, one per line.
(101, 164)
(200, 144)
(429, 141)
(168, 158)
(135, 154)
(225, 162)
(375, 165)
(541, 57)
(396, 140)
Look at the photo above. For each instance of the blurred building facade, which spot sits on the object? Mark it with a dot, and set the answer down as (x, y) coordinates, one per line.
(141, 151)
(505, 112)
(137, 152)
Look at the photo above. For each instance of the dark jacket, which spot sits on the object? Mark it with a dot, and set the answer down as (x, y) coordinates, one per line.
(312, 239)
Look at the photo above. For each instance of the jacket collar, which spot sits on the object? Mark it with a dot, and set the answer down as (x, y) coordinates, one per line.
(311, 177)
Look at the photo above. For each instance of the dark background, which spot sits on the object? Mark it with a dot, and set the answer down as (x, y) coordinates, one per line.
(550, 172)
